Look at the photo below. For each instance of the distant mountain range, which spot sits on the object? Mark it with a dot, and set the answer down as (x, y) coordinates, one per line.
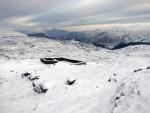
(111, 39)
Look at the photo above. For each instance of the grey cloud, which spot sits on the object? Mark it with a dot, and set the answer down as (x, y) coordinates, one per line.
(10, 8)
(53, 13)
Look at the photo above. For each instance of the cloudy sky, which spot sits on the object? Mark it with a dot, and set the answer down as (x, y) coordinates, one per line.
(72, 13)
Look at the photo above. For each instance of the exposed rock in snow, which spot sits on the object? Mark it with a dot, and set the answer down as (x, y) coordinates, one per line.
(70, 81)
(127, 91)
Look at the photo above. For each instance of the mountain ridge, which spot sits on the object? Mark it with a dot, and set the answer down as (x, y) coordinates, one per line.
(110, 39)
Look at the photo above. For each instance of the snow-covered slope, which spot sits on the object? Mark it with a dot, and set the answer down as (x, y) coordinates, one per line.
(111, 81)
(109, 38)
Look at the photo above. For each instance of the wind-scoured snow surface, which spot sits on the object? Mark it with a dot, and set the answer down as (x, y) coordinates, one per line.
(111, 81)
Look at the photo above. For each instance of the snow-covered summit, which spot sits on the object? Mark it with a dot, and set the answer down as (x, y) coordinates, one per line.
(110, 82)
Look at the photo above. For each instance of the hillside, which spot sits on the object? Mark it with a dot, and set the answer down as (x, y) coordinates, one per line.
(110, 38)
(110, 82)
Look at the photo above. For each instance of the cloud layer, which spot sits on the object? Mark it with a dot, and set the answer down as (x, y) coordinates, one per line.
(65, 13)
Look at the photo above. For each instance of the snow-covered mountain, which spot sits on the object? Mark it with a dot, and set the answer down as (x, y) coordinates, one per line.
(110, 39)
(110, 82)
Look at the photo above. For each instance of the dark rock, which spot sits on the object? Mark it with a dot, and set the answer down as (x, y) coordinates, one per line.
(117, 98)
(148, 67)
(33, 84)
(115, 74)
(77, 62)
(138, 70)
(80, 63)
(55, 60)
(109, 80)
(33, 78)
(70, 82)
(122, 94)
(48, 60)
(138, 93)
(112, 79)
(39, 88)
(25, 74)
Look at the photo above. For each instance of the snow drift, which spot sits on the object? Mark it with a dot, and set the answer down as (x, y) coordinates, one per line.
(110, 82)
